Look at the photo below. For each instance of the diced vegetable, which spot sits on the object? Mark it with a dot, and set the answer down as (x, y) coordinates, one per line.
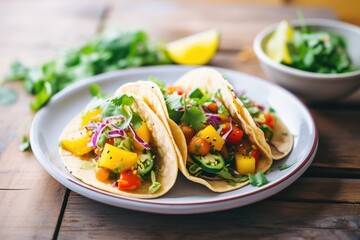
(244, 164)
(212, 107)
(188, 132)
(212, 137)
(196, 93)
(144, 133)
(102, 174)
(199, 146)
(235, 135)
(77, 144)
(128, 181)
(93, 115)
(210, 163)
(144, 163)
(116, 159)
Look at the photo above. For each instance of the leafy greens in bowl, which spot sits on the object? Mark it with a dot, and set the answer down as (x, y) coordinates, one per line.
(279, 64)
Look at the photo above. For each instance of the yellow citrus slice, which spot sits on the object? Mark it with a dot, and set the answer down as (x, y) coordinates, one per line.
(197, 49)
(276, 47)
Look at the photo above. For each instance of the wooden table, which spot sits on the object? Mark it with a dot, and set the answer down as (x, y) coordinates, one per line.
(322, 204)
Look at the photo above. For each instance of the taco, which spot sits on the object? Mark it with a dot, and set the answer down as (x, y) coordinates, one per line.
(219, 148)
(121, 146)
(277, 135)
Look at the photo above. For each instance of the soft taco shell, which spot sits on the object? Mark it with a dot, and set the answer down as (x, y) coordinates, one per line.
(203, 78)
(160, 141)
(209, 80)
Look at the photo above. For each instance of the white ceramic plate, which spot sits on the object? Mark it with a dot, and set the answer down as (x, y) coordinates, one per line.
(185, 197)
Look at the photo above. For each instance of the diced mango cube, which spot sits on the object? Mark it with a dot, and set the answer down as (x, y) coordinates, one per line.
(212, 137)
(144, 133)
(116, 159)
(91, 116)
(77, 144)
(244, 164)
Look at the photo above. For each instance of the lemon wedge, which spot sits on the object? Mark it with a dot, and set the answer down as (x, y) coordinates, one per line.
(276, 47)
(197, 49)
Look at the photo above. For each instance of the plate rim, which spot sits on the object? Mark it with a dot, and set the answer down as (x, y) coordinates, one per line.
(166, 68)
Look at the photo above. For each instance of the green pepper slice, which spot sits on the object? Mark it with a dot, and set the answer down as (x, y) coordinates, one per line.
(196, 93)
(145, 163)
(211, 163)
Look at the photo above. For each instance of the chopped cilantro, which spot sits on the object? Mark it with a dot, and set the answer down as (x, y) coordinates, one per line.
(194, 117)
(96, 91)
(286, 166)
(259, 179)
(157, 81)
(174, 101)
(25, 144)
(123, 100)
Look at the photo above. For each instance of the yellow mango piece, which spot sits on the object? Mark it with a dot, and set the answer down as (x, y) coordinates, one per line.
(144, 133)
(91, 115)
(116, 159)
(244, 164)
(77, 144)
(212, 137)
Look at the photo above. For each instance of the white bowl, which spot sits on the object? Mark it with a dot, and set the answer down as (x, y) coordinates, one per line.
(308, 85)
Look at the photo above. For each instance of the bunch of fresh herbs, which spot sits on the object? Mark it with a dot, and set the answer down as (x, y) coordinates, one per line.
(319, 51)
(109, 51)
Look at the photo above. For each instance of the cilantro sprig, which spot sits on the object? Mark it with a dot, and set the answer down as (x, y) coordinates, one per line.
(190, 113)
(111, 50)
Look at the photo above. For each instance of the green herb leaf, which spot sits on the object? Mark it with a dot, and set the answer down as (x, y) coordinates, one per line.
(25, 144)
(259, 179)
(174, 101)
(123, 100)
(96, 91)
(8, 96)
(111, 50)
(194, 117)
(136, 120)
(285, 166)
(161, 84)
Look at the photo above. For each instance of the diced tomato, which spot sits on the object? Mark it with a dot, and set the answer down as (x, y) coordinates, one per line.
(224, 128)
(224, 118)
(110, 141)
(128, 181)
(235, 135)
(175, 89)
(199, 146)
(188, 132)
(269, 119)
(255, 153)
(212, 107)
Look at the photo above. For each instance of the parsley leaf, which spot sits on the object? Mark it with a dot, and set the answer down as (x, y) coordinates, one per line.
(194, 117)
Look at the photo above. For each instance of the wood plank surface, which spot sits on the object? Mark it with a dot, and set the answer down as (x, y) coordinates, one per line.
(323, 204)
(30, 199)
(266, 220)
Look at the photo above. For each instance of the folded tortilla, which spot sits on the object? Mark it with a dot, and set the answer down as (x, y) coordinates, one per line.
(207, 80)
(165, 156)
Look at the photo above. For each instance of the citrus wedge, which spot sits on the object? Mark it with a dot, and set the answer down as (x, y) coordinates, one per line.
(276, 47)
(197, 49)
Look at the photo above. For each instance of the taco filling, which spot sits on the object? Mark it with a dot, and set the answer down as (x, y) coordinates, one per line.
(218, 147)
(276, 133)
(114, 140)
